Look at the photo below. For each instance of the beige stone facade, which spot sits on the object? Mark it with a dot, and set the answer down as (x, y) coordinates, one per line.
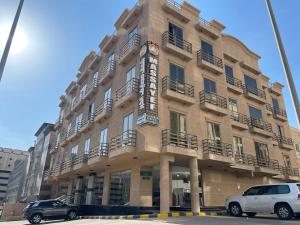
(213, 124)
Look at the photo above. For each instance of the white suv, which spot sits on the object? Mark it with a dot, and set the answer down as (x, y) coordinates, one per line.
(282, 199)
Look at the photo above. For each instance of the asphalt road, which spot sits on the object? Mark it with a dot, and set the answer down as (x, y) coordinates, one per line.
(171, 221)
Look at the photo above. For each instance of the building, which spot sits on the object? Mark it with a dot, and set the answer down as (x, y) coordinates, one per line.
(38, 163)
(296, 139)
(16, 181)
(8, 157)
(172, 112)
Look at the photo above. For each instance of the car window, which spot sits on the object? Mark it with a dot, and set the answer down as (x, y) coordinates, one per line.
(46, 204)
(254, 191)
(276, 189)
(298, 185)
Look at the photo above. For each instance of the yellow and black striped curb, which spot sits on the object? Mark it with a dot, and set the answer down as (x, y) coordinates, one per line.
(157, 215)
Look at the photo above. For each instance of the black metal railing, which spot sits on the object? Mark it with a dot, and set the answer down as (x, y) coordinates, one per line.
(255, 91)
(258, 123)
(175, 5)
(106, 106)
(239, 117)
(276, 111)
(207, 24)
(217, 147)
(110, 65)
(246, 159)
(88, 120)
(127, 138)
(179, 139)
(168, 37)
(133, 42)
(92, 84)
(130, 86)
(283, 140)
(213, 98)
(288, 171)
(182, 88)
(268, 163)
(99, 151)
(235, 82)
(212, 59)
(83, 158)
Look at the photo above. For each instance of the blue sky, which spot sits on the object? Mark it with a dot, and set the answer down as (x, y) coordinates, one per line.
(60, 33)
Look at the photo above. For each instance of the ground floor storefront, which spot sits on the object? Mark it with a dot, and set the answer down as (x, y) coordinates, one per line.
(169, 182)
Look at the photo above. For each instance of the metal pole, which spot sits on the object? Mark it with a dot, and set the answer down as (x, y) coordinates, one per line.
(10, 38)
(288, 73)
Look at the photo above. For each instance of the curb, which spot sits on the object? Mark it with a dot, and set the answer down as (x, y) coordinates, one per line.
(157, 215)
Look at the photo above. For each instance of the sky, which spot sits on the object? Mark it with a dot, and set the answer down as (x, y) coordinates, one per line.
(54, 36)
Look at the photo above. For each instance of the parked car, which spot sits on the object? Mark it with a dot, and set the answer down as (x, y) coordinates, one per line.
(282, 199)
(49, 210)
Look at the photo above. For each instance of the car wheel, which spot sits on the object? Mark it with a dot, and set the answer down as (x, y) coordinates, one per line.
(235, 209)
(72, 215)
(36, 219)
(284, 212)
(251, 214)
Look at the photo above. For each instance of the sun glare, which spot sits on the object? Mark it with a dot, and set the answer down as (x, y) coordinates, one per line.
(19, 41)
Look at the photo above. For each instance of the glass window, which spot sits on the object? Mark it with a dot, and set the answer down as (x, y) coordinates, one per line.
(83, 91)
(46, 204)
(98, 190)
(238, 145)
(251, 85)
(111, 61)
(213, 131)
(276, 189)
(229, 72)
(91, 109)
(232, 105)
(207, 48)
(74, 151)
(178, 122)
(176, 73)
(297, 147)
(210, 86)
(107, 97)
(280, 130)
(103, 136)
(87, 146)
(119, 193)
(262, 151)
(275, 104)
(254, 191)
(287, 161)
(255, 113)
(78, 121)
(176, 35)
(128, 122)
(181, 187)
(130, 74)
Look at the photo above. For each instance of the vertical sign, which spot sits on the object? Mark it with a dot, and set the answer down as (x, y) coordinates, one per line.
(147, 109)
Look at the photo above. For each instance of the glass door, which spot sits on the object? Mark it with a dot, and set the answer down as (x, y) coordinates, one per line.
(127, 127)
(251, 85)
(129, 79)
(178, 129)
(275, 104)
(238, 146)
(262, 154)
(175, 35)
(91, 111)
(103, 142)
(176, 78)
(107, 97)
(232, 105)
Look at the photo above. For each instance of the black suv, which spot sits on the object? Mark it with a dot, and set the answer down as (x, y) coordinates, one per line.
(49, 210)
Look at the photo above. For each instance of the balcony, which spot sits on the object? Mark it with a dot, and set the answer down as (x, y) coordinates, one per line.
(123, 144)
(239, 120)
(284, 142)
(209, 62)
(66, 166)
(276, 88)
(87, 123)
(255, 94)
(235, 85)
(107, 72)
(179, 143)
(217, 151)
(208, 28)
(177, 91)
(108, 42)
(74, 131)
(130, 49)
(290, 174)
(177, 46)
(277, 113)
(53, 148)
(64, 140)
(260, 127)
(213, 103)
(175, 9)
(267, 167)
(95, 62)
(82, 75)
(63, 101)
(78, 102)
(69, 111)
(98, 153)
(244, 162)
(92, 87)
(132, 16)
(80, 161)
(58, 123)
(127, 93)
(103, 111)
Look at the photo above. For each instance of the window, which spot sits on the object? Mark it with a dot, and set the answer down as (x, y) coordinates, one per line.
(238, 145)
(47, 204)
(87, 146)
(262, 151)
(297, 151)
(95, 78)
(74, 151)
(232, 105)
(255, 113)
(175, 35)
(119, 193)
(229, 74)
(69, 128)
(210, 86)
(207, 49)
(213, 132)
(111, 61)
(73, 101)
(254, 191)
(251, 85)
(176, 74)
(287, 161)
(177, 122)
(103, 136)
(133, 32)
(91, 109)
(83, 91)
(280, 130)
(129, 76)
(57, 140)
(276, 189)
(107, 97)
(275, 104)
(127, 122)
(78, 121)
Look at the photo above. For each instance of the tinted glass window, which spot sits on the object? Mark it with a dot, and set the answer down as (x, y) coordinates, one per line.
(45, 204)
(254, 191)
(209, 86)
(276, 189)
(298, 185)
(228, 71)
(255, 113)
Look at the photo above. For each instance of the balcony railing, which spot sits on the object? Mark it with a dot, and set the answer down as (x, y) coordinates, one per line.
(99, 151)
(106, 106)
(238, 117)
(92, 83)
(213, 98)
(258, 123)
(179, 139)
(130, 86)
(283, 140)
(133, 42)
(126, 139)
(235, 82)
(217, 148)
(174, 5)
(246, 159)
(207, 24)
(268, 163)
(88, 120)
(276, 111)
(255, 91)
(109, 66)
(182, 88)
(203, 55)
(83, 158)
(170, 38)
(288, 171)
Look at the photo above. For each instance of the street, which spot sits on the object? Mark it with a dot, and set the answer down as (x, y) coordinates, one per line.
(175, 221)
